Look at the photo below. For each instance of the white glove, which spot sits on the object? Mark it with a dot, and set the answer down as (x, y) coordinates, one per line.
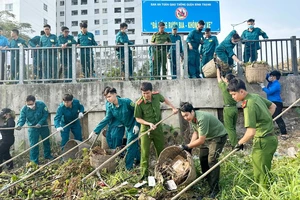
(92, 135)
(59, 129)
(80, 115)
(241, 62)
(262, 85)
(136, 129)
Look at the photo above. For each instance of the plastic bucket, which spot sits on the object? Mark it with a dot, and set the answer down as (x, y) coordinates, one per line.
(75, 153)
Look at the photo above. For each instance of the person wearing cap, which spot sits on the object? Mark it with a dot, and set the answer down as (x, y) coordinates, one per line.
(67, 111)
(252, 33)
(225, 53)
(121, 39)
(37, 55)
(273, 90)
(208, 49)
(86, 38)
(172, 53)
(35, 114)
(210, 136)
(194, 39)
(15, 42)
(3, 44)
(160, 52)
(65, 41)
(8, 138)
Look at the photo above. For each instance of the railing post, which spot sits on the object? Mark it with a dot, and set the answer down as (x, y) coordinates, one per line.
(126, 61)
(240, 57)
(74, 63)
(178, 71)
(294, 55)
(21, 64)
(185, 73)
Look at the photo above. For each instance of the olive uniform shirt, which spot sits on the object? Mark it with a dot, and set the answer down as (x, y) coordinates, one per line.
(207, 125)
(257, 115)
(227, 98)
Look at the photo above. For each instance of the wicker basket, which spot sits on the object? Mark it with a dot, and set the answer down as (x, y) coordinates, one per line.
(171, 153)
(75, 153)
(256, 72)
(209, 69)
(96, 160)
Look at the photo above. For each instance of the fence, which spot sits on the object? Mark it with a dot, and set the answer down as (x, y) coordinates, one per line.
(129, 62)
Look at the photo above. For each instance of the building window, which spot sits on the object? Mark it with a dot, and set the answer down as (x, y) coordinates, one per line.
(104, 21)
(97, 11)
(118, 21)
(129, 20)
(97, 21)
(83, 2)
(74, 23)
(84, 21)
(117, 10)
(96, 1)
(84, 12)
(117, 0)
(128, 0)
(45, 7)
(97, 32)
(104, 1)
(9, 7)
(145, 41)
(61, 13)
(45, 21)
(104, 10)
(105, 32)
(61, 3)
(62, 23)
(129, 10)
(74, 2)
(116, 31)
(133, 41)
(74, 12)
(105, 43)
(75, 33)
(131, 31)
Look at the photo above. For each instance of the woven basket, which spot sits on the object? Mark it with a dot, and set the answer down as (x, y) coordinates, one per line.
(256, 72)
(96, 160)
(209, 69)
(75, 153)
(170, 153)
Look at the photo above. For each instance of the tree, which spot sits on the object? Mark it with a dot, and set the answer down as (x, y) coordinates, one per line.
(8, 22)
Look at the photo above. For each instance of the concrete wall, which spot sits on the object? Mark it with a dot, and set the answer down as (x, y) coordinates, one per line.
(202, 93)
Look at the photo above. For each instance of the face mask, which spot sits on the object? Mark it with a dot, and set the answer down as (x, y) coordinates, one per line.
(31, 106)
(250, 26)
(126, 31)
(270, 79)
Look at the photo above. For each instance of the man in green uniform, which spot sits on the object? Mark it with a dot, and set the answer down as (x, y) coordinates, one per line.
(252, 33)
(49, 56)
(86, 38)
(160, 52)
(35, 114)
(65, 41)
(225, 52)
(230, 111)
(172, 53)
(37, 56)
(15, 42)
(121, 39)
(210, 135)
(147, 113)
(194, 39)
(258, 113)
(208, 49)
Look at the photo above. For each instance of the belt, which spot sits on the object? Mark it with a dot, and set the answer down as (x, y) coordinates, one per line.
(218, 137)
(267, 135)
(228, 105)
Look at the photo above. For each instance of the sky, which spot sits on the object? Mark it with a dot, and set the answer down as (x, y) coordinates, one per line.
(279, 19)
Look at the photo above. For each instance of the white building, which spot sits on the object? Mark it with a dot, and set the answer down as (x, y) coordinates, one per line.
(35, 12)
(103, 18)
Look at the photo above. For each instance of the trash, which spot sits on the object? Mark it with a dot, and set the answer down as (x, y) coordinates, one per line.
(171, 185)
(138, 185)
(292, 152)
(151, 181)
(99, 155)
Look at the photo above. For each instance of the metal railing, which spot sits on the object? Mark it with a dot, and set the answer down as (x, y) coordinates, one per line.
(128, 62)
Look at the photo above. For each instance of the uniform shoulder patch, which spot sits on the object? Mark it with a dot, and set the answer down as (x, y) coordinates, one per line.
(244, 104)
(155, 92)
(139, 101)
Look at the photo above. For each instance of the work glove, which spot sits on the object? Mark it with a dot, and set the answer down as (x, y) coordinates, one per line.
(92, 134)
(59, 129)
(262, 85)
(136, 129)
(241, 62)
(18, 128)
(239, 147)
(186, 148)
(80, 115)
(38, 126)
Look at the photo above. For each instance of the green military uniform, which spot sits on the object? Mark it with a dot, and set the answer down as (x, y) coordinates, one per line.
(208, 49)
(160, 53)
(15, 56)
(121, 39)
(257, 115)
(230, 114)
(37, 57)
(209, 126)
(150, 112)
(49, 56)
